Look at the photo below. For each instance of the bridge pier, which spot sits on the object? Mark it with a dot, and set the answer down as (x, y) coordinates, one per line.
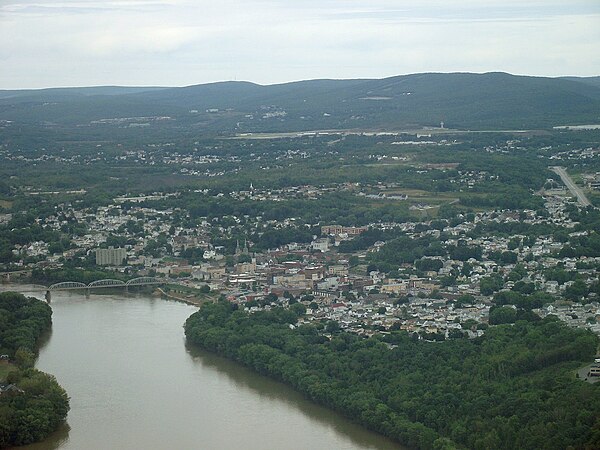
(48, 297)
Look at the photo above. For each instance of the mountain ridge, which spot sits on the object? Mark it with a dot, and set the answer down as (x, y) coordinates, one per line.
(495, 100)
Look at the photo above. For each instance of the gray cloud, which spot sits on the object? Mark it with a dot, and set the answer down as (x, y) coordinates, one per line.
(179, 42)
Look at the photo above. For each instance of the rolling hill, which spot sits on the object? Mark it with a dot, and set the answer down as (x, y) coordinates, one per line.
(461, 100)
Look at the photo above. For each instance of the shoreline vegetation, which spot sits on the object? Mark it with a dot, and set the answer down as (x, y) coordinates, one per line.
(195, 299)
(514, 387)
(32, 403)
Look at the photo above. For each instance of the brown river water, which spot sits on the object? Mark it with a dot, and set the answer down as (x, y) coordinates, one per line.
(135, 384)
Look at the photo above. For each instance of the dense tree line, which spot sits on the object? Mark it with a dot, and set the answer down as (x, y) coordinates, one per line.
(22, 322)
(38, 405)
(405, 249)
(32, 415)
(338, 207)
(500, 391)
(366, 239)
(582, 246)
(504, 197)
(276, 237)
(589, 218)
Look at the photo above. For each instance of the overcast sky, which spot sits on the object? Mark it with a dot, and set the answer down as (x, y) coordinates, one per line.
(47, 43)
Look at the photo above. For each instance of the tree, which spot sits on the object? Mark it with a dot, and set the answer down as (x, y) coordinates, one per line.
(332, 326)
(464, 299)
(508, 258)
(514, 243)
(467, 269)
(40, 405)
(24, 358)
(470, 324)
(524, 288)
(455, 334)
(504, 314)
(489, 285)
(519, 272)
(298, 308)
(576, 291)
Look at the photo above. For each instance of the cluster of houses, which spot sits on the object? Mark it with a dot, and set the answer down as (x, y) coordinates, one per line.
(340, 285)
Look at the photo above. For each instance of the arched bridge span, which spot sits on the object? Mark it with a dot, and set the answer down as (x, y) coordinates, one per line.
(99, 284)
(67, 285)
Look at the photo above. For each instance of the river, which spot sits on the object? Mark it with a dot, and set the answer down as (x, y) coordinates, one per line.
(134, 384)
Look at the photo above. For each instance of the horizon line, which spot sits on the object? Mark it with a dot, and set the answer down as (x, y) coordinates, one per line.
(155, 86)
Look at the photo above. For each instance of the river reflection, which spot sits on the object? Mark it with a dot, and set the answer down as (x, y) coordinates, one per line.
(135, 384)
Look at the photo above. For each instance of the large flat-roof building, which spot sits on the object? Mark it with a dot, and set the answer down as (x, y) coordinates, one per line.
(110, 256)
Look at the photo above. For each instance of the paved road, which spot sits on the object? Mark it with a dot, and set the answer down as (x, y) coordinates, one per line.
(576, 191)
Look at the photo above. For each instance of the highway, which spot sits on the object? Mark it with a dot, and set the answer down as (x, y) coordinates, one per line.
(576, 191)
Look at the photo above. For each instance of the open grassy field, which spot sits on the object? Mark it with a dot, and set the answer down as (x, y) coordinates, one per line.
(420, 196)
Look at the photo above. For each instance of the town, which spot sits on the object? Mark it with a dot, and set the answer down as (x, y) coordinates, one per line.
(300, 225)
(464, 273)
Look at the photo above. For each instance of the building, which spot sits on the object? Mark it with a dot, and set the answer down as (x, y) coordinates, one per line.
(321, 245)
(242, 251)
(394, 288)
(339, 270)
(110, 256)
(210, 273)
(338, 229)
(248, 267)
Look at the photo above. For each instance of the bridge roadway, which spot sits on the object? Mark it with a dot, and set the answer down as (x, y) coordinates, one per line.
(98, 284)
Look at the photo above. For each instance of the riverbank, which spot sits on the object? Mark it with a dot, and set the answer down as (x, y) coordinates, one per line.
(101, 344)
(194, 301)
(420, 393)
(32, 403)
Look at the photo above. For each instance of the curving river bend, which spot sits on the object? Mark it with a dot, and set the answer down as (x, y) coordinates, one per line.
(134, 384)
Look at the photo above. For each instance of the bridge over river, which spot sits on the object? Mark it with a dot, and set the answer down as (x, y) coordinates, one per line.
(98, 284)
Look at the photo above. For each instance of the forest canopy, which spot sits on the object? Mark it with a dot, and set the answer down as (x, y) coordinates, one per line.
(499, 391)
(33, 404)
